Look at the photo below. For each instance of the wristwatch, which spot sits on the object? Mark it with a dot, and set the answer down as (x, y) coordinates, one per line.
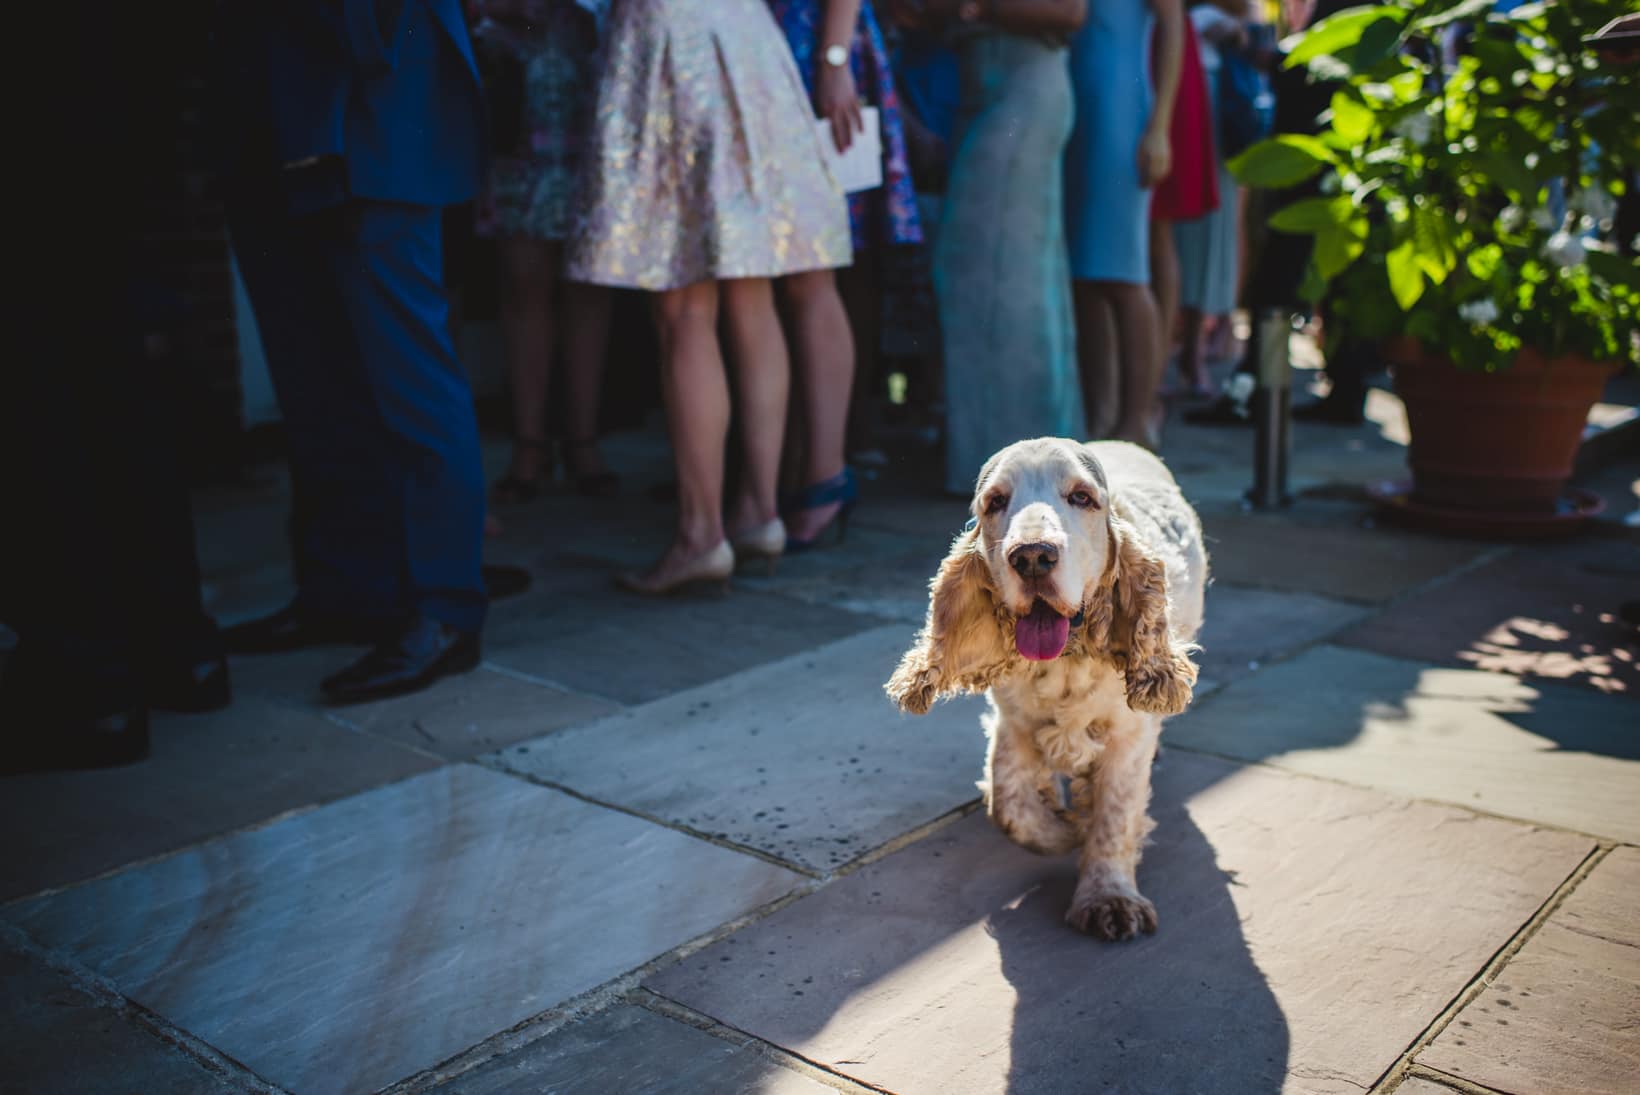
(836, 56)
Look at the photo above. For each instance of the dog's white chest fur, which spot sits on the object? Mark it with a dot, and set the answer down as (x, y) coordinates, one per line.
(1065, 708)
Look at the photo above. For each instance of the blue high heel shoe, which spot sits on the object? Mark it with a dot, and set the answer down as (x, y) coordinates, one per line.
(840, 488)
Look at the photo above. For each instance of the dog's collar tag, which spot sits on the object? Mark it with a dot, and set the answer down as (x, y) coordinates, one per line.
(973, 523)
(1066, 802)
(1076, 620)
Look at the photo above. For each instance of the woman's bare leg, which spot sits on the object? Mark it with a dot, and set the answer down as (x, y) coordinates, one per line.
(1139, 333)
(696, 390)
(1134, 355)
(823, 351)
(529, 271)
(1164, 283)
(1191, 365)
(1096, 351)
(763, 381)
(586, 340)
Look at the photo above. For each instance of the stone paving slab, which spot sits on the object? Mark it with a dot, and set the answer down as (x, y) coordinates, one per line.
(57, 1039)
(1334, 560)
(881, 575)
(629, 1050)
(1244, 627)
(343, 949)
(1558, 755)
(1214, 463)
(892, 589)
(290, 677)
(634, 649)
(1548, 614)
(1419, 1085)
(208, 774)
(461, 717)
(805, 759)
(1563, 1016)
(1309, 932)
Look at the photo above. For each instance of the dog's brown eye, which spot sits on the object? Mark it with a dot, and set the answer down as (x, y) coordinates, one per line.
(997, 503)
(1082, 499)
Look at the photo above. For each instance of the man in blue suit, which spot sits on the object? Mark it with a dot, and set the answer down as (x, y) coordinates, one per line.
(346, 126)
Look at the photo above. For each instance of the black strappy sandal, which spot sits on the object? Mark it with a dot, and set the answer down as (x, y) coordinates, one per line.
(512, 490)
(597, 484)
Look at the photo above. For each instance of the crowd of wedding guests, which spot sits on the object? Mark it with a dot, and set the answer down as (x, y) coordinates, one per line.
(1051, 175)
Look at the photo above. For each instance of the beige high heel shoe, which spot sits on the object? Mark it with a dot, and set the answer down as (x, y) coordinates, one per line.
(714, 567)
(766, 541)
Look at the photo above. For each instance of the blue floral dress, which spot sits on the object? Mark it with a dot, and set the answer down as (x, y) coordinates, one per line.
(888, 214)
(530, 192)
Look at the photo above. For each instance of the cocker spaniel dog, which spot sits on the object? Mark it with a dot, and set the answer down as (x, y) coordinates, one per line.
(1072, 600)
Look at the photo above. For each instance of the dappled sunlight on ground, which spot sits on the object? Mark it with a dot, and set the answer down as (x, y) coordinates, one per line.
(1386, 411)
(1522, 646)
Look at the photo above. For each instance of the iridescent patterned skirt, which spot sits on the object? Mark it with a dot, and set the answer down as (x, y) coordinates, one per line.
(703, 161)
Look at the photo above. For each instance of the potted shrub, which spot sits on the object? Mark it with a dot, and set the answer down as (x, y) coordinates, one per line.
(1473, 165)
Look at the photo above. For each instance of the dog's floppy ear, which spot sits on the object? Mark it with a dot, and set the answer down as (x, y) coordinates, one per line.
(960, 645)
(1159, 672)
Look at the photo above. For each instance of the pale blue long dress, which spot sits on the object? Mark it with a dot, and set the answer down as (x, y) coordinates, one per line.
(999, 261)
(1107, 212)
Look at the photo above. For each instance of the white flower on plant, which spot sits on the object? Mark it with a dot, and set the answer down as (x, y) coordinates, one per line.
(1329, 183)
(1597, 205)
(1478, 313)
(1417, 128)
(1543, 217)
(1511, 218)
(1564, 249)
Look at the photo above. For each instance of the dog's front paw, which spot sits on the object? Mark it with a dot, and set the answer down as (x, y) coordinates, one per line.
(1112, 917)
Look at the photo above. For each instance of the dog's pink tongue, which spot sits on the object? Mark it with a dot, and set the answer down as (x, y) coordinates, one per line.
(1042, 635)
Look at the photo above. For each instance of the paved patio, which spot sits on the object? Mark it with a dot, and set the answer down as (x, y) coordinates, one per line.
(688, 846)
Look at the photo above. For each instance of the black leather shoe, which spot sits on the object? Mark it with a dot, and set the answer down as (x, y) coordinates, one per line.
(56, 713)
(407, 661)
(100, 741)
(193, 688)
(289, 629)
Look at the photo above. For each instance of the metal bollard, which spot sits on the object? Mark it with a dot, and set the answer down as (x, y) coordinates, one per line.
(1271, 402)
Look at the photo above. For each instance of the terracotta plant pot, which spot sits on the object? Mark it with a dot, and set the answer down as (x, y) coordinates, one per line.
(1503, 442)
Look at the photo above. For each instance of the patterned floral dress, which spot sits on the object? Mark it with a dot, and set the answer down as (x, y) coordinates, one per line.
(701, 164)
(531, 188)
(888, 214)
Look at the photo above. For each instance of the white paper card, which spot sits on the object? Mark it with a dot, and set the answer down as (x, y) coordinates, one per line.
(861, 167)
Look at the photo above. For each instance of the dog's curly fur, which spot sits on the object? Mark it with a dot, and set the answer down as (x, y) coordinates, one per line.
(1130, 560)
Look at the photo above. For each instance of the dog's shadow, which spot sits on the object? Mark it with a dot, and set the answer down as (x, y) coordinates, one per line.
(1183, 1011)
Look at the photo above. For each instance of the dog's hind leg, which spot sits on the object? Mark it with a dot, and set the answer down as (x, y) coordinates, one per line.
(1107, 903)
(1022, 794)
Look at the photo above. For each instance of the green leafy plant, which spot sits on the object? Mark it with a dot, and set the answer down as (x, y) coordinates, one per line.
(1467, 204)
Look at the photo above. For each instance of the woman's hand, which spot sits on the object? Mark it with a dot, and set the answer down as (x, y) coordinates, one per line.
(837, 101)
(1155, 156)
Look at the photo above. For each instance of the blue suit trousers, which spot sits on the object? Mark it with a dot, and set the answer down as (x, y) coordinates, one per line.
(388, 493)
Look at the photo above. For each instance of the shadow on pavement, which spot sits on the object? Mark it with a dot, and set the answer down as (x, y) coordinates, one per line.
(1185, 1010)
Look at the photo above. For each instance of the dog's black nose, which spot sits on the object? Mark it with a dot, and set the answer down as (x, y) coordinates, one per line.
(1033, 560)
